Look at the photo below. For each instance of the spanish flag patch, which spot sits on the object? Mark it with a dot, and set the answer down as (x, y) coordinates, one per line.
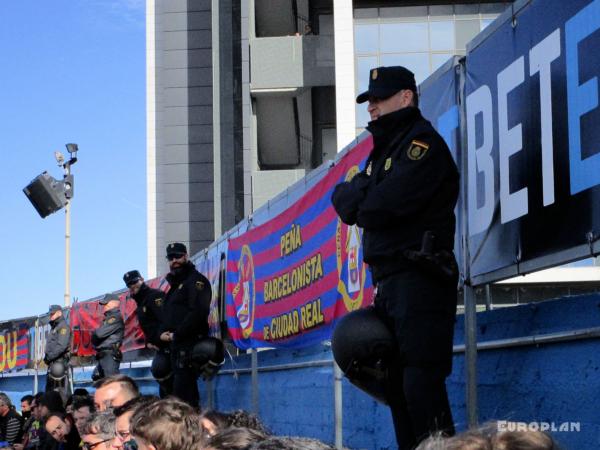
(417, 150)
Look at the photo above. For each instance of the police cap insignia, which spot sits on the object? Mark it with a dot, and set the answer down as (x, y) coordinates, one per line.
(388, 164)
(199, 285)
(374, 74)
(417, 150)
(63, 331)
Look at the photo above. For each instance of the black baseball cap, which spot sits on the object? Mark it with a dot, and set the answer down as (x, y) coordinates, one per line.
(131, 277)
(386, 81)
(176, 249)
(110, 297)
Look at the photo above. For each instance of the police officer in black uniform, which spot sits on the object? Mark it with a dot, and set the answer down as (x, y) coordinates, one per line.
(187, 307)
(151, 315)
(108, 337)
(404, 200)
(57, 354)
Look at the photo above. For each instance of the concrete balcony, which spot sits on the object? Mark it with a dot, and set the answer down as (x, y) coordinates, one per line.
(290, 63)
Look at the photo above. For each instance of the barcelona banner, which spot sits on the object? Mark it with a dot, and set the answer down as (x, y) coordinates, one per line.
(291, 278)
(14, 346)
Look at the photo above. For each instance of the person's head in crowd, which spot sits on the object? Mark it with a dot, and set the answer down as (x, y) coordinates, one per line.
(114, 391)
(123, 416)
(233, 438)
(109, 302)
(81, 392)
(55, 312)
(5, 404)
(26, 405)
(167, 424)
(36, 407)
(177, 256)
(289, 443)
(523, 440)
(69, 405)
(213, 421)
(487, 437)
(134, 281)
(50, 402)
(390, 89)
(59, 425)
(83, 407)
(98, 431)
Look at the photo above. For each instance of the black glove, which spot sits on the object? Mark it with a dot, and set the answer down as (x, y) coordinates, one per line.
(46, 360)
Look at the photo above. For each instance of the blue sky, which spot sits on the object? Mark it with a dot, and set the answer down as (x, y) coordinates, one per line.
(72, 71)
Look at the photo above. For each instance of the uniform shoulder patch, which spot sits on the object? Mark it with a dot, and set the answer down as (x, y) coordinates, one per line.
(199, 285)
(111, 320)
(63, 331)
(417, 150)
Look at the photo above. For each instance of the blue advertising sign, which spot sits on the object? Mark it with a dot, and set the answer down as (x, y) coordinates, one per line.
(533, 139)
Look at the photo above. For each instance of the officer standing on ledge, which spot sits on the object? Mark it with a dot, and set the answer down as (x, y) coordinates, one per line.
(108, 337)
(187, 307)
(404, 200)
(58, 346)
(151, 314)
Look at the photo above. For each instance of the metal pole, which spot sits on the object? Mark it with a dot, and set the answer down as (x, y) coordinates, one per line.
(471, 355)
(488, 297)
(255, 381)
(468, 290)
(67, 253)
(35, 356)
(338, 406)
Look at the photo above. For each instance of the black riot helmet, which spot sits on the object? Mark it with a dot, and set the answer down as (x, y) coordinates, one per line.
(57, 370)
(364, 347)
(208, 355)
(161, 367)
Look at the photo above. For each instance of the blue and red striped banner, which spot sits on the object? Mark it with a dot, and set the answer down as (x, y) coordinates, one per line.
(291, 278)
(14, 347)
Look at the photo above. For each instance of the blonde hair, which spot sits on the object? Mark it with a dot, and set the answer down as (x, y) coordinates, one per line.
(167, 424)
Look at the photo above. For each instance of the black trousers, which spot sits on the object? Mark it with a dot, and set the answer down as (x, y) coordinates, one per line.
(185, 385)
(420, 309)
(107, 364)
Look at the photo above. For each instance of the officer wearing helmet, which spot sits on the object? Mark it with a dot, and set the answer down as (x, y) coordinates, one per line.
(58, 346)
(404, 201)
(107, 338)
(151, 314)
(186, 319)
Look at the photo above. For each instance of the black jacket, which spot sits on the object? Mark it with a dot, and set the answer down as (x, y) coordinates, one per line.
(187, 304)
(58, 341)
(11, 427)
(151, 313)
(110, 334)
(410, 185)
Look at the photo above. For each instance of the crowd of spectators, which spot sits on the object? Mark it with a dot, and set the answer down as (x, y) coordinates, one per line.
(117, 417)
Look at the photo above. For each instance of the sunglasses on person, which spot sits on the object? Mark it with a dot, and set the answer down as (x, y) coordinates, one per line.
(88, 446)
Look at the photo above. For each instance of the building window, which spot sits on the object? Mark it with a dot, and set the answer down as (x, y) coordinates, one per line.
(421, 38)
